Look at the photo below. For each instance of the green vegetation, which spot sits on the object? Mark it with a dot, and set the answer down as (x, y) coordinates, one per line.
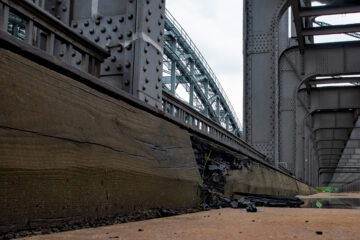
(205, 163)
(325, 189)
(201, 181)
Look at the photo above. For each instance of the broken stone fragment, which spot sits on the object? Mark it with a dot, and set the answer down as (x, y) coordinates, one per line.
(213, 167)
(234, 204)
(251, 208)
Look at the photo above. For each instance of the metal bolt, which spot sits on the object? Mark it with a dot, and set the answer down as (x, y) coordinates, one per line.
(147, 61)
(157, 86)
(146, 80)
(109, 21)
(145, 50)
(158, 96)
(115, 28)
(120, 36)
(147, 1)
(120, 49)
(78, 62)
(64, 9)
(143, 88)
(73, 54)
(128, 65)
(103, 29)
(97, 21)
(130, 17)
(146, 99)
(121, 19)
(127, 82)
(159, 79)
(86, 24)
(61, 54)
(149, 30)
(107, 68)
(113, 58)
(157, 69)
(97, 39)
(146, 19)
(108, 37)
(128, 47)
(75, 25)
(149, 13)
(91, 31)
(81, 31)
(129, 34)
(119, 67)
(144, 69)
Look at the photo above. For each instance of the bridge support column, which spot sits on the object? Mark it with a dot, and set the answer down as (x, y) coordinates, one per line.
(133, 31)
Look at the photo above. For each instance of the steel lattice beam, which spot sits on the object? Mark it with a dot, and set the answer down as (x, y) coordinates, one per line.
(199, 78)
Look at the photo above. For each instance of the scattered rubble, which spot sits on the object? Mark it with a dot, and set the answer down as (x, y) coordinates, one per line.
(214, 168)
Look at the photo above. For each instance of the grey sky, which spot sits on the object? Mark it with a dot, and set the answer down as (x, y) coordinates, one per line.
(215, 26)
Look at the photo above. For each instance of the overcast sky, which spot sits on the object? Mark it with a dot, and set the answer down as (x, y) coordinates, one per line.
(215, 26)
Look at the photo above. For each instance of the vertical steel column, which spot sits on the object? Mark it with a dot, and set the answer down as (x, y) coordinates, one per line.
(191, 94)
(261, 44)
(173, 68)
(4, 17)
(227, 121)
(59, 8)
(218, 107)
(133, 31)
(147, 80)
(173, 77)
(206, 88)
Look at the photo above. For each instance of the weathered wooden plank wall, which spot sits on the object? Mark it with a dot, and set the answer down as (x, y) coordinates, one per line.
(68, 150)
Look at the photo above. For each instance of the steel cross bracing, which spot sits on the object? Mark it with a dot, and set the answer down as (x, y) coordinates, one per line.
(324, 24)
(185, 65)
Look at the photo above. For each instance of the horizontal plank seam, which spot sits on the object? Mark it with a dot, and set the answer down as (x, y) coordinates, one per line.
(61, 138)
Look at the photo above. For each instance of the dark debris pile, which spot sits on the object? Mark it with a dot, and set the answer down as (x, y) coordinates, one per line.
(214, 171)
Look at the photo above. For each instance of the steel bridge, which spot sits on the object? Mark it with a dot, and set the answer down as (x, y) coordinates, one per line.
(183, 65)
(307, 117)
(149, 61)
(301, 97)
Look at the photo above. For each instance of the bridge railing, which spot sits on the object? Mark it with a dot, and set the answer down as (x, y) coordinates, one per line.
(200, 123)
(44, 31)
(192, 45)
